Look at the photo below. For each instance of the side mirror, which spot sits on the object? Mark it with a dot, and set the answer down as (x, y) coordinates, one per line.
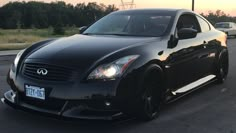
(187, 33)
(82, 29)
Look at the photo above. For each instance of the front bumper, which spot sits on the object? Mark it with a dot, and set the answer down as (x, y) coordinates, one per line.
(69, 109)
(74, 98)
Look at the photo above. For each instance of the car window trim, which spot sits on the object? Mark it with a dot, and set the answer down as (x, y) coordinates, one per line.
(205, 21)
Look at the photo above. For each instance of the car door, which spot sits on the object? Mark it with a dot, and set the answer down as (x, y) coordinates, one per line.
(184, 65)
(209, 48)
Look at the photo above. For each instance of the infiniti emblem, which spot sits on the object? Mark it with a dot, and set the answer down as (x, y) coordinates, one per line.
(42, 71)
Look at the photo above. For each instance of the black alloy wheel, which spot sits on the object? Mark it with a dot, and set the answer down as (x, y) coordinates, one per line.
(149, 107)
(222, 69)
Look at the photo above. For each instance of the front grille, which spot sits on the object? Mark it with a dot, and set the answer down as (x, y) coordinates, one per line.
(55, 73)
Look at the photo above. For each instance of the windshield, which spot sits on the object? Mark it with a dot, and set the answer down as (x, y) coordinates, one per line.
(222, 25)
(130, 25)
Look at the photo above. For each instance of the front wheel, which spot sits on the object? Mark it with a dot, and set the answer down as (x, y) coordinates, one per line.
(150, 99)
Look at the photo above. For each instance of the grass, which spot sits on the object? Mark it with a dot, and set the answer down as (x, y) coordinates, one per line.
(21, 38)
(16, 39)
(13, 46)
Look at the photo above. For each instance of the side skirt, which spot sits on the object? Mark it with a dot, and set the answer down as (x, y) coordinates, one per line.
(191, 87)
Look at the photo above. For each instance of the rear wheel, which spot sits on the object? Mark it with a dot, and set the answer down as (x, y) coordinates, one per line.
(150, 99)
(222, 68)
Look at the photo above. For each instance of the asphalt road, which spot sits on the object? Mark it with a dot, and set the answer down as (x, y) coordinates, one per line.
(211, 109)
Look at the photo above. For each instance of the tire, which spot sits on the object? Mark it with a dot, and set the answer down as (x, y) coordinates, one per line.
(222, 68)
(150, 99)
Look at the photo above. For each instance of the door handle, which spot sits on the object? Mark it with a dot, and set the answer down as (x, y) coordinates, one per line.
(204, 44)
(203, 56)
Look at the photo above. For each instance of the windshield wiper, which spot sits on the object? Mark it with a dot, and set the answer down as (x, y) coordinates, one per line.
(141, 35)
(88, 34)
(105, 34)
(117, 34)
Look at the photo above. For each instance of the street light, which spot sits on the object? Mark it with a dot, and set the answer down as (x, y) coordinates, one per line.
(192, 5)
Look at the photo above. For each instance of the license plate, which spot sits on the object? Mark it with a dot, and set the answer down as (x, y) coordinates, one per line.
(35, 92)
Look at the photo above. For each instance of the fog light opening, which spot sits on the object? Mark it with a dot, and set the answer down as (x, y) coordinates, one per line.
(13, 96)
(107, 103)
(3, 100)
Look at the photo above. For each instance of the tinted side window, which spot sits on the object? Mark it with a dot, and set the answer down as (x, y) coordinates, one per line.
(203, 24)
(188, 21)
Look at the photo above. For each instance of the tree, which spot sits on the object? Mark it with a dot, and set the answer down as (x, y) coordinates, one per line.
(218, 16)
(58, 29)
(43, 15)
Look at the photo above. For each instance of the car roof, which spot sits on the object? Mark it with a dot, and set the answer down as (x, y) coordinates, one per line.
(169, 11)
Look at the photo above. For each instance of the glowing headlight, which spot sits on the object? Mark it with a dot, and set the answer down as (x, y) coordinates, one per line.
(114, 69)
(18, 57)
(110, 72)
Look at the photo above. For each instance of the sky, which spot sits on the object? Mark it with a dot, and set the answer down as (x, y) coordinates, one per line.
(201, 6)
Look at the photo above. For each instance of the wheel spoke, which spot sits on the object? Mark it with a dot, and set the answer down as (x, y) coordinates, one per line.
(150, 97)
(149, 104)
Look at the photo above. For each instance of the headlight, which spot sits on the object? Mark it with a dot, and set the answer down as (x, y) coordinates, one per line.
(114, 69)
(18, 58)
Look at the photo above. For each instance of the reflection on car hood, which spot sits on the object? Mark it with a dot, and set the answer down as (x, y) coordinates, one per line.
(84, 50)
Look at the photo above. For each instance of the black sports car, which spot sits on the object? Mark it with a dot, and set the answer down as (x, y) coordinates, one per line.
(128, 62)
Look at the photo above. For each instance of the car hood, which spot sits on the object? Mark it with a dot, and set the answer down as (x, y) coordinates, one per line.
(82, 50)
